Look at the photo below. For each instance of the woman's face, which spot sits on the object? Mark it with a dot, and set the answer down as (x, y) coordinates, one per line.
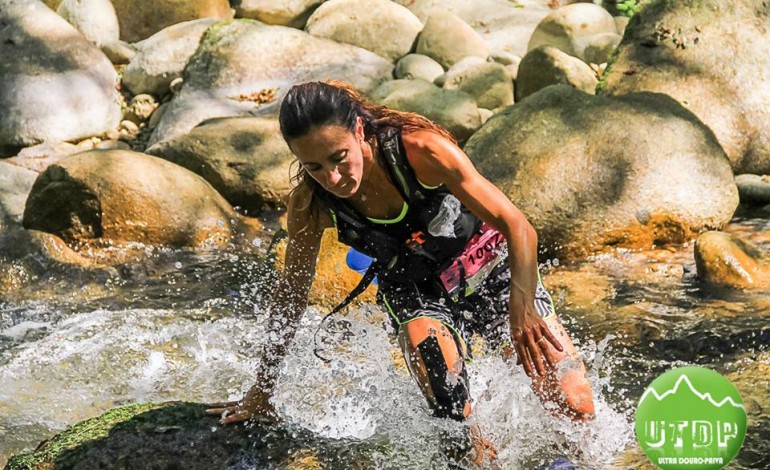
(333, 156)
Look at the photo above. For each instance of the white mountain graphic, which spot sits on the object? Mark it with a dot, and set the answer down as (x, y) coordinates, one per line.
(702, 396)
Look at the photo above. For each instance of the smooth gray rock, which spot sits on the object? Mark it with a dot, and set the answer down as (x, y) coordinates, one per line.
(446, 38)
(234, 74)
(571, 27)
(753, 189)
(139, 21)
(487, 82)
(418, 66)
(95, 19)
(455, 110)
(163, 56)
(292, 13)
(54, 84)
(244, 158)
(15, 184)
(547, 65)
(379, 26)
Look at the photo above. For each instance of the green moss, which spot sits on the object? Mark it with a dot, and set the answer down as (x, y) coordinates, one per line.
(89, 430)
(214, 33)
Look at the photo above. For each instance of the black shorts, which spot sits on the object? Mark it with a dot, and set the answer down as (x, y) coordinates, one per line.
(485, 312)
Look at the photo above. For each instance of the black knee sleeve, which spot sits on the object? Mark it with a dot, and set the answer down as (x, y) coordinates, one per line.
(451, 392)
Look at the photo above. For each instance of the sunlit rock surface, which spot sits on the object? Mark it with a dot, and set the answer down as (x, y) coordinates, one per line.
(124, 196)
(245, 67)
(594, 172)
(244, 158)
(56, 85)
(138, 22)
(711, 56)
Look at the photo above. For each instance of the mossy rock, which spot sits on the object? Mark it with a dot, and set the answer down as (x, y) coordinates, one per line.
(181, 435)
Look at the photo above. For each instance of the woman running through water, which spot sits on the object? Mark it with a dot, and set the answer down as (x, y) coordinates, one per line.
(452, 254)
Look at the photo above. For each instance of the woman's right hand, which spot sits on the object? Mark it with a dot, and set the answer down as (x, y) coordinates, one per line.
(254, 406)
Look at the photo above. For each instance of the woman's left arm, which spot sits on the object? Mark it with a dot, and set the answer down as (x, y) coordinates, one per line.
(437, 161)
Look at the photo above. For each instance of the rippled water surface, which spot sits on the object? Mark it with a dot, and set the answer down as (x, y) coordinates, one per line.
(188, 327)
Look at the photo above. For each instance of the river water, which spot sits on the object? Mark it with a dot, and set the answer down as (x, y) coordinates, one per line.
(187, 326)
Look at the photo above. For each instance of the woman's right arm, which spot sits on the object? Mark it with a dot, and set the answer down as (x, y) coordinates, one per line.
(288, 304)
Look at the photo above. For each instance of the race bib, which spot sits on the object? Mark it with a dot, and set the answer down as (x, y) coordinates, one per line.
(481, 255)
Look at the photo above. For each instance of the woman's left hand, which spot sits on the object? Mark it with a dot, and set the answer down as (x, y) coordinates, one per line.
(531, 337)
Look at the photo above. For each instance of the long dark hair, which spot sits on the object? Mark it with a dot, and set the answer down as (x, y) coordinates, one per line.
(333, 102)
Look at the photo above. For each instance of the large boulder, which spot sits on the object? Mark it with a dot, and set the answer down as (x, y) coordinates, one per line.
(447, 39)
(56, 85)
(234, 72)
(547, 65)
(124, 196)
(505, 25)
(380, 26)
(162, 57)
(711, 56)
(292, 13)
(724, 260)
(15, 184)
(572, 28)
(453, 109)
(245, 159)
(592, 172)
(95, 19)
(138, 21)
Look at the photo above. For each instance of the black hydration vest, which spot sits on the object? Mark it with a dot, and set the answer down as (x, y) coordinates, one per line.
(435, 228)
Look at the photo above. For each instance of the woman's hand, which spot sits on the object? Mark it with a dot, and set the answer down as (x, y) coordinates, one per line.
(531, 338)
(255, 405)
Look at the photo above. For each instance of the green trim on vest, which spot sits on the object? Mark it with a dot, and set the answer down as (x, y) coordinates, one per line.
(427, 186)
(398, 219)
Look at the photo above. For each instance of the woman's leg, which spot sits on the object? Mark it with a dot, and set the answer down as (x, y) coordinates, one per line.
(435, 356)
(565, 385)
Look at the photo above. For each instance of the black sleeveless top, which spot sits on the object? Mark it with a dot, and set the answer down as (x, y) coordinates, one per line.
(433, 228)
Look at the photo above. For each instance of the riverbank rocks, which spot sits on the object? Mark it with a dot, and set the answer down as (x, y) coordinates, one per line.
(181, 435)
(95, 19)
(379, 26)
(56, 84)
(246, 67)
(15, 184)
(724, 260)
(122, 196)
(753, 189)
(245, 159)
(138, 22)
(487, 82)
(572, 29)
(711, 56)
(453, 109)
(446, 38)
(292, 13)
(418, 66)
(547, 65)
(504, 25)
(162, 57)
(569, 162)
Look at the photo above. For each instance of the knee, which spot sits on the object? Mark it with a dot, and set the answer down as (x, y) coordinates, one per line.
(435, 358)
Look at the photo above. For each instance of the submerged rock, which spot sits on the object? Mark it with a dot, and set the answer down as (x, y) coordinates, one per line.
(125, 196)
(592, 172)
(724, 260)
(244, 158)
(180, 435)
(711, 56)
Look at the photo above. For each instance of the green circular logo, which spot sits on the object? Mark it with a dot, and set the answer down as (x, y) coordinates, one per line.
(691, 418)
